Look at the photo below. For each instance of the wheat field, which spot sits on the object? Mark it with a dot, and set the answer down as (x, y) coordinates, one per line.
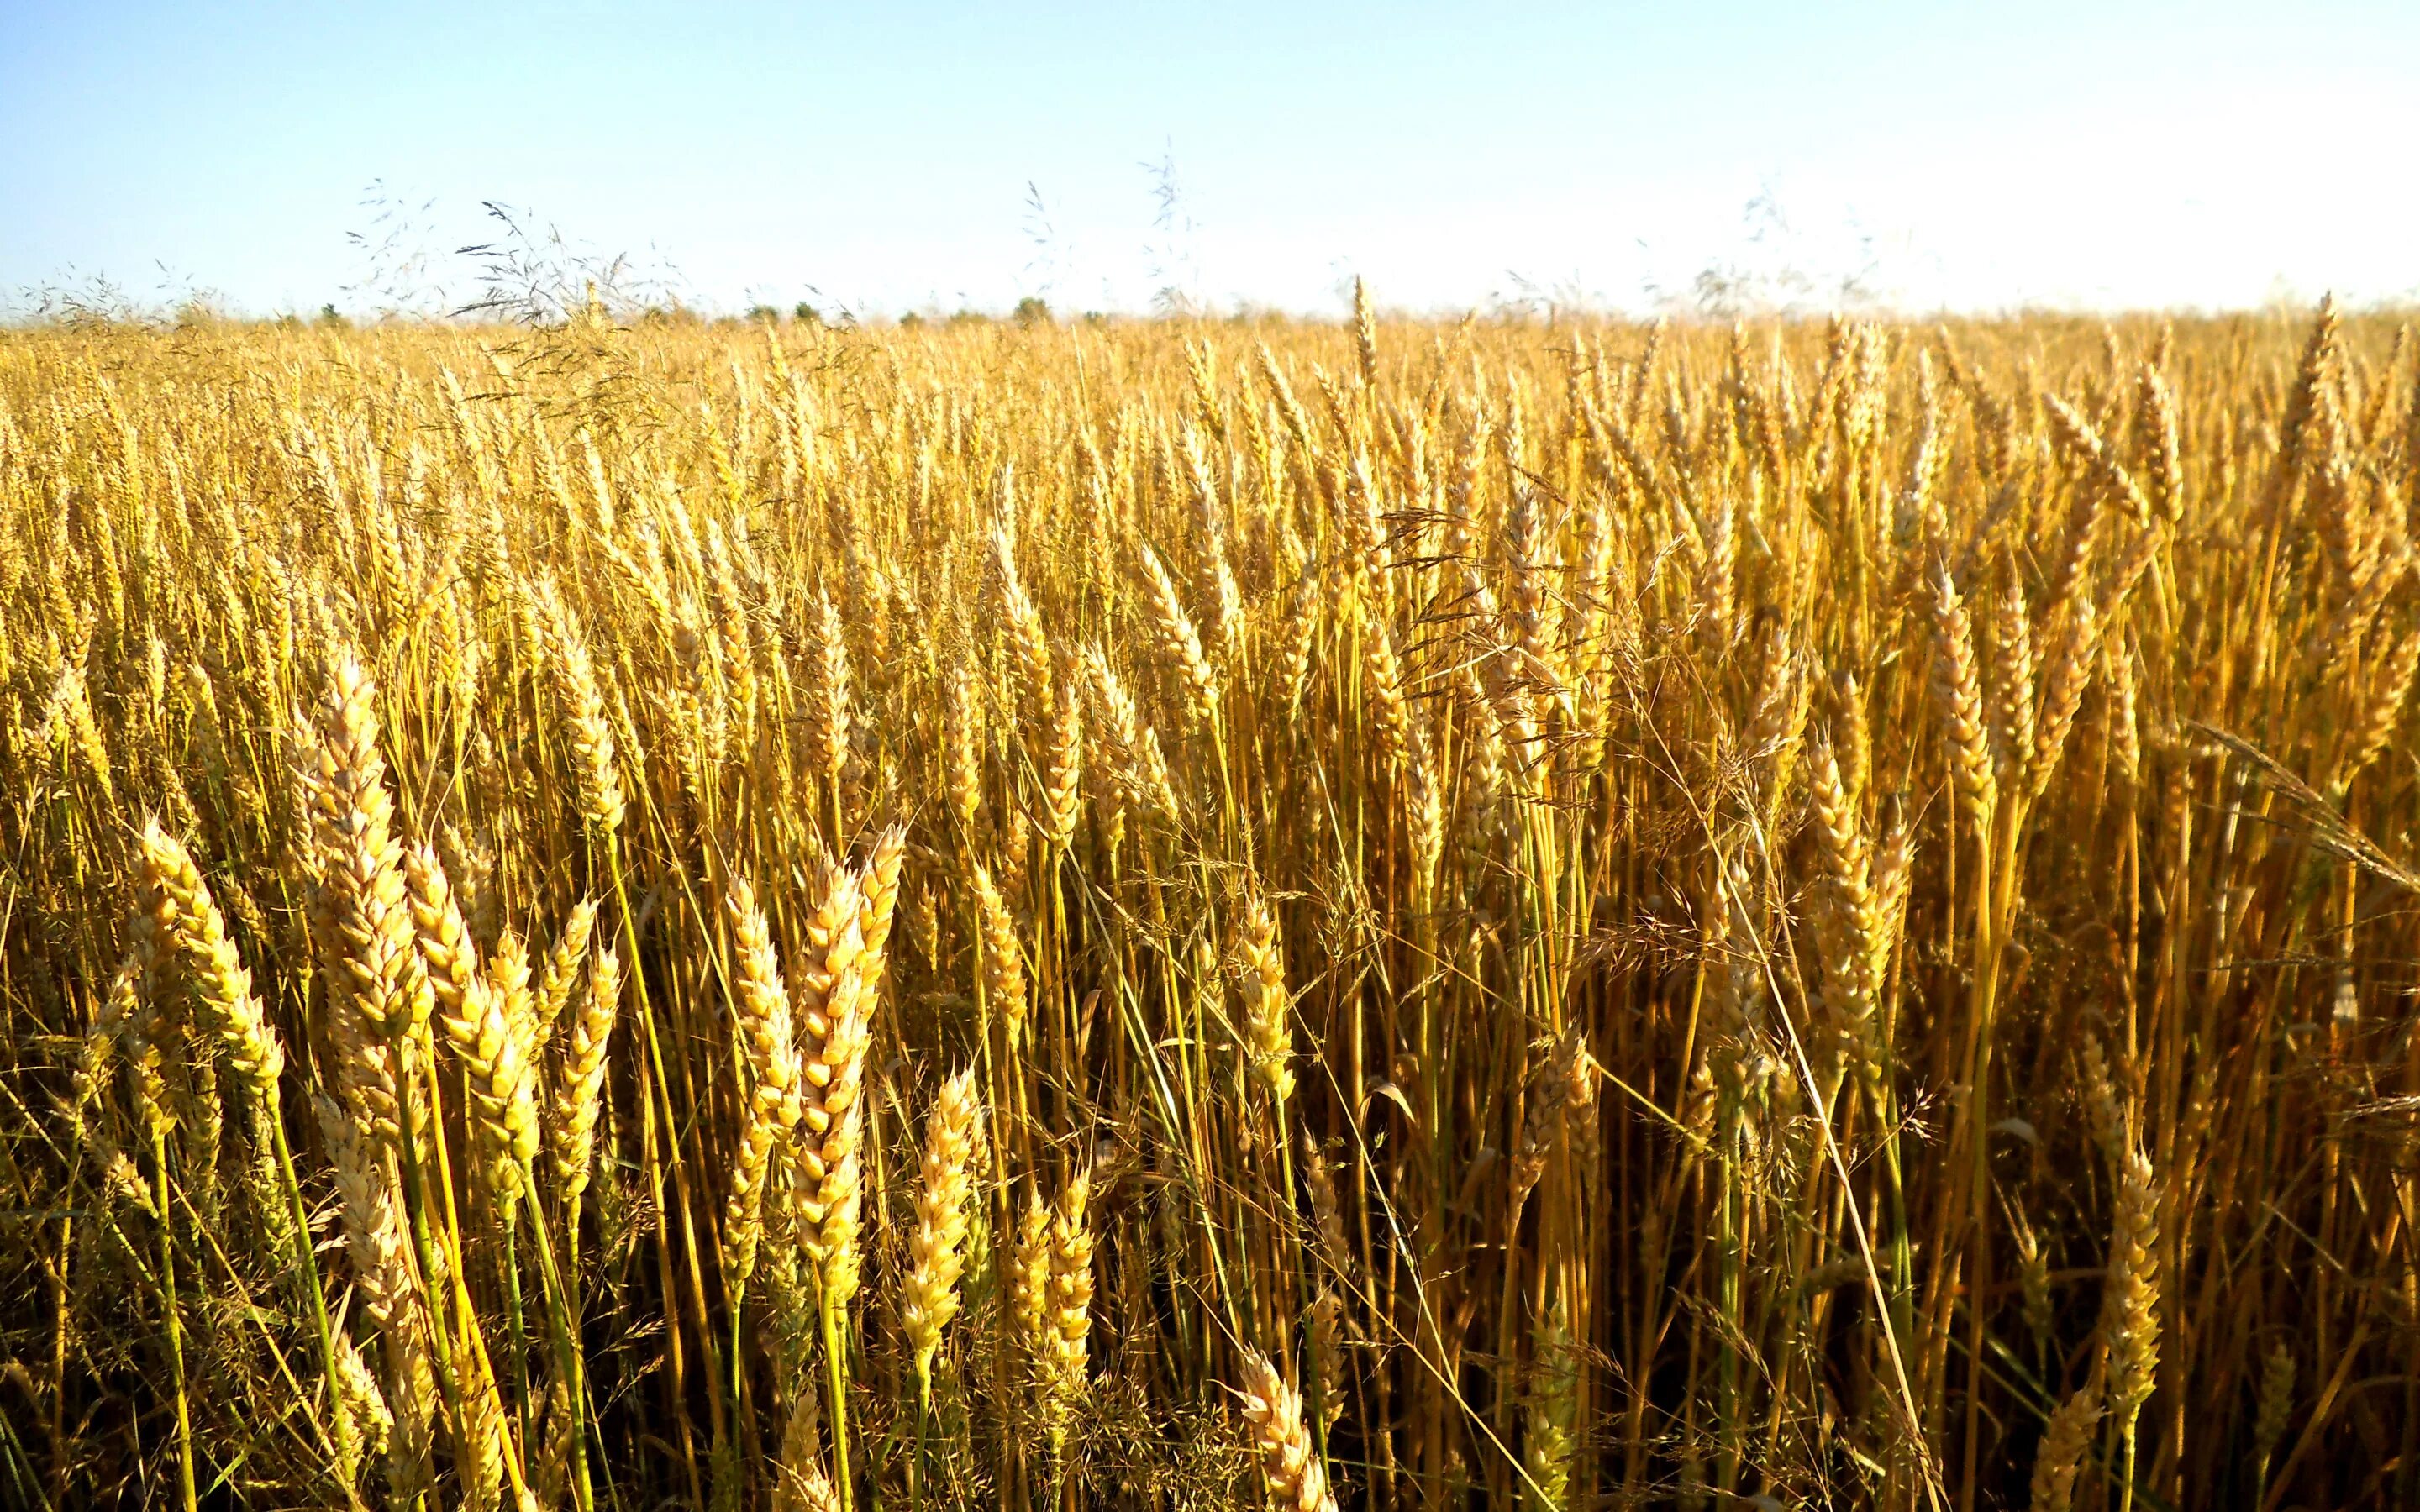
(640, 914)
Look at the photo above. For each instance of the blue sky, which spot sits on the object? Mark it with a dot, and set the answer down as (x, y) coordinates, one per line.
(880, 155)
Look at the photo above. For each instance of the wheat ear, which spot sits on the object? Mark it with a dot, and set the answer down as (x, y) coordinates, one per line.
(583, 1080)
(562, 973)
(2131, 1322)
(1003, 959)
(835, 1004)
(2060, 1454)
(1068, 1312)
(1297, 1482)
(491, 1041)
(379, 991)
(190, 918)
(374, 1238)
(761, 1006)
(1958, 683)
(1268, 1026)
(953, 1133)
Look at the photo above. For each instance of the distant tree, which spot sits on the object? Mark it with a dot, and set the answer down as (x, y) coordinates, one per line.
(763, 315)
(970, 317)
(331, 316)
(807, 314)
(1032, 311)
(910, 320)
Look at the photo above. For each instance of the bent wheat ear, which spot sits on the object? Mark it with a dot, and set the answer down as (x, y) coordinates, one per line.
(187, 917)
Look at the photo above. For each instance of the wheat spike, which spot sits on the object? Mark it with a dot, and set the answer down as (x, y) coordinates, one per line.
(562, 973)
(589, 732)
(2130, 1319)
(2060, 1454)
(1268, 1026)
(835, 1009)
(1272, 1408)
(1960, 691)
(582, 1097)
(1003, 958)
(380, 991)
(2275, 1405)
(187, 915)
(1065, 1282)
(374, 1237)
(953, 1132)
(761, 1008)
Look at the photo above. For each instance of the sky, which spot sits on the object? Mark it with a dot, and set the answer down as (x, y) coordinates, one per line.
(882, 158)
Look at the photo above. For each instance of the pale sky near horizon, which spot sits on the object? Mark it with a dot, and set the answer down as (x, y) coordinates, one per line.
(1975, 157)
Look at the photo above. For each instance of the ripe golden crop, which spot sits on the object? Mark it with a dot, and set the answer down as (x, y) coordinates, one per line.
(1153, 913)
